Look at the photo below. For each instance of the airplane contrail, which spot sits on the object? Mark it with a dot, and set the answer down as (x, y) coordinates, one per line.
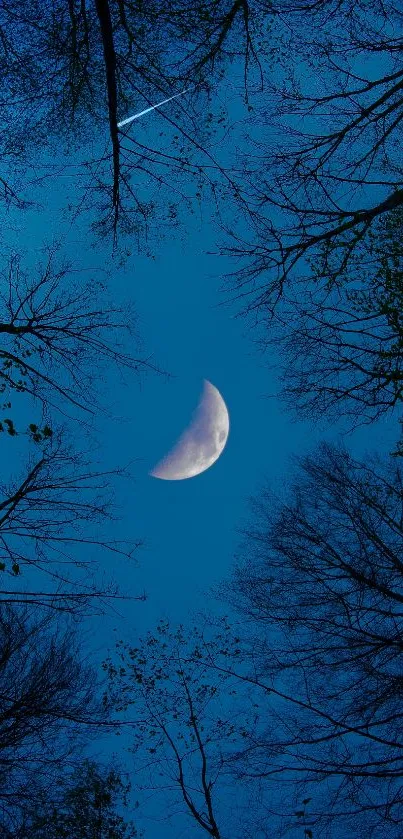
(147, 110)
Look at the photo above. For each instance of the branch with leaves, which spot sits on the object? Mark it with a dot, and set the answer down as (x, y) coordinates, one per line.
(185, 731)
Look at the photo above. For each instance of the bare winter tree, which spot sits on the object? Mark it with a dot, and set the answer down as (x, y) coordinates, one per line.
(56, 339)
(50, 708)
(338, 171)
(333, 168)
(57, 336)
(343, 349)
(320, 581)
(89, 61)
(52, 525)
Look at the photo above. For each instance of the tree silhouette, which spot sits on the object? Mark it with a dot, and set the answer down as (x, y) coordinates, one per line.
(332, 168)
(343, 347)
(50, 707)
(85, 806)
(320, 579)
(82, 67)
(51, 531)
(56, 334)
(183, 734)
(199, 710)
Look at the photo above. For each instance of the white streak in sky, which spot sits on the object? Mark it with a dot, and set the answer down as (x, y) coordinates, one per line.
(147, 110)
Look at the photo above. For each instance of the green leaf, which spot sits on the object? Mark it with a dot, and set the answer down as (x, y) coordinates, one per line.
(10, 427)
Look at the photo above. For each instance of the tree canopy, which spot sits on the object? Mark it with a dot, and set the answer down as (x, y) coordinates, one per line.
(284, 717)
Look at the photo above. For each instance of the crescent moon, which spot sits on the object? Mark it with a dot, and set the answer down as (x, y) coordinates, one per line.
(201, 443)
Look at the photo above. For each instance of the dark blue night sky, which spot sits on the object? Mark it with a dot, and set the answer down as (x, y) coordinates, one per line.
(190, 329)
(189, 528)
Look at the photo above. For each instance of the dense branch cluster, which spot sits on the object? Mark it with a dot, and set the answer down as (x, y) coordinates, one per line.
(88, 62)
